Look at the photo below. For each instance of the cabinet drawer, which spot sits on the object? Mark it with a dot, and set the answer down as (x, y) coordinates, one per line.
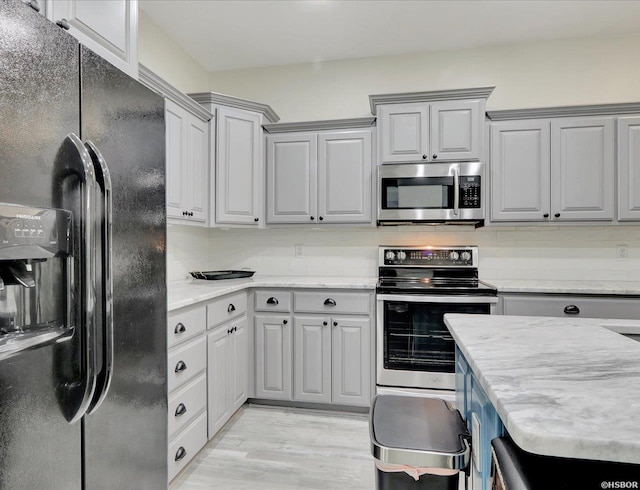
(331, 302)
(187, 445)
(186, 362)
(186, 403)
(570, 306)
(273, 300)
(186, 323)
(226, 308)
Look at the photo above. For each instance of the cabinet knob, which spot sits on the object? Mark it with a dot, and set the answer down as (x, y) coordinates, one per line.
(329, 302)
(284, 322)
(64, 23)
(181, 453)
(272, 301)
(256, 219)
(545, 215)
(184, 213)
(181, 366)
(311, 218)
(571, 310)
(335, 324)
(191, 213)
(557, 215)
(321, 218)
(324, 323)
(181, 410)
(229, 331)
(180, 328)
(231, 308)
(434, 156)
(424, 157)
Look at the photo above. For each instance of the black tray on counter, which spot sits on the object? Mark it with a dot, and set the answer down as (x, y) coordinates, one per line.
(216, 275)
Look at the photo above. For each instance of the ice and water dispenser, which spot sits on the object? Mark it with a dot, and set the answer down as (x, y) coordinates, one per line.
(36, 277)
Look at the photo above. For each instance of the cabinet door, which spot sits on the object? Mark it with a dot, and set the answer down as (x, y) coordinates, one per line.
(240, 360)
(239, 179)
(404, 132)
(219, 367)
(520, 170)
(273, 357)
(312, 359)
(292, 161)
(351, 370)
(629, 168)
(344, 177)
(107, 27)
(582, 168)
(176, 155)
(197, 168)
(456, 130)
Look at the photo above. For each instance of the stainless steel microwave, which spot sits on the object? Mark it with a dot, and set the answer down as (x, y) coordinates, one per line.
(431, 193)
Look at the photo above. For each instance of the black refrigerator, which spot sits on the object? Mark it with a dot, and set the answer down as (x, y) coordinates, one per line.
(83, 342)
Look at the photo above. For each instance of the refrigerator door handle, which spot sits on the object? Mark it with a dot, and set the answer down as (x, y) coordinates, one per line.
(103, 178)
(82, 168)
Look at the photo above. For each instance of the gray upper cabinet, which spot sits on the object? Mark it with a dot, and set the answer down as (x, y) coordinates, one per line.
(520, 170)
(582, 168)
(456, 129)
(238, 167)
(319, 177)
(629, 168)
(403, 130)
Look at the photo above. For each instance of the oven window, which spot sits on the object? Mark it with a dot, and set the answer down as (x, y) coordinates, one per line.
(416, 338)
(417, 193)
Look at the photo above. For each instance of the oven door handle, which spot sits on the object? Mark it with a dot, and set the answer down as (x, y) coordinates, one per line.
(433, 298)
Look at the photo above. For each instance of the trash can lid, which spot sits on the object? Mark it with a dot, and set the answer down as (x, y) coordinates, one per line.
(418, 431)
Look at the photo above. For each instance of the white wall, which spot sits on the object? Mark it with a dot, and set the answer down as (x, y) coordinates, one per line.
(158, 52)
(563, 72)
(561, 253)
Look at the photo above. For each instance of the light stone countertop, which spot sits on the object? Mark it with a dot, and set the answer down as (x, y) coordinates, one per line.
(562, 387)
(192, 291)
(629, 288)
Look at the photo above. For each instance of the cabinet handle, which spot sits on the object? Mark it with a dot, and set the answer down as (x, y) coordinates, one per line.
(335, 324)
(191, 213)
(34, 5)
(324, 323)
(64, 23)
(256, 219)
(434, 156)
(557, 215)
(184, 213)
(545, 215)
(424, 157)
(272, 301)
(312, 218)
(181, 366)
(234, 329)
(571, 310)
(181, 410)
(321, 218)
(231, 308)
(180, 328)
(181, 453)
(229, 331)
(284, 322)
(329, 302)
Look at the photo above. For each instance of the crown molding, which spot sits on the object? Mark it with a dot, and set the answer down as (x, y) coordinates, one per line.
(238, 103)
(566, 111)
(435, 95)
(163, 88)
(330, 124)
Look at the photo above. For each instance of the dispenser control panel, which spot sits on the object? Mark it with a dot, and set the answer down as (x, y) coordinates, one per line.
(33, 233)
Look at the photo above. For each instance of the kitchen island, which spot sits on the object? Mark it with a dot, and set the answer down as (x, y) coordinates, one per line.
(564, 387)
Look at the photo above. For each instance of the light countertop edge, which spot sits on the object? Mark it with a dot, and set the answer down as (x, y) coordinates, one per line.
(577, 395)
(189, 292)
(622, 288)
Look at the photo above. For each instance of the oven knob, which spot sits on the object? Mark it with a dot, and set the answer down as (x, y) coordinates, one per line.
(402, 255)
(466, 256)
(390, 255)
(454, 255)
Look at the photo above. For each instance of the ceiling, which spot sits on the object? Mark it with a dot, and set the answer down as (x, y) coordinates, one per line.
(234, 34)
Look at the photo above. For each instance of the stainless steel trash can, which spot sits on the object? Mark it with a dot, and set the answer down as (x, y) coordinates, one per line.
(417, 443)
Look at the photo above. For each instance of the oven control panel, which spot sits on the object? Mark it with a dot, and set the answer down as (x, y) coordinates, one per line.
(429, 256)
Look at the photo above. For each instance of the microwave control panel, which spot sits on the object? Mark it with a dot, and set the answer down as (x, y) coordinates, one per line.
(470, 196)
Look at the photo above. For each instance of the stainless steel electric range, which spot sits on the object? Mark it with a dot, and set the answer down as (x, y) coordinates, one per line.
(416, 287)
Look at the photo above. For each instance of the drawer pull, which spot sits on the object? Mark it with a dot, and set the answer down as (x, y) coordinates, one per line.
(335, 324)
(272, 301)
(181, 453)
(181, 410)
(181, 366)
(329, 302)
(571, 310)
(231, 308)
(180, 328)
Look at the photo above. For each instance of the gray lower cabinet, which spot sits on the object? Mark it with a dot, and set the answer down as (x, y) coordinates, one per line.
(273, 337)
(351, 350)
(312, 358)
(629, 168)
(568, 305)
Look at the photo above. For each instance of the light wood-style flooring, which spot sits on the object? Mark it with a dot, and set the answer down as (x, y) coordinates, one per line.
(273, 448)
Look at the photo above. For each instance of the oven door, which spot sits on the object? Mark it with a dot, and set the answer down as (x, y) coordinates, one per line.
(414, 346)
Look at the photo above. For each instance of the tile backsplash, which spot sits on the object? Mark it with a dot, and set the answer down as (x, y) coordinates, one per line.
(559, 252)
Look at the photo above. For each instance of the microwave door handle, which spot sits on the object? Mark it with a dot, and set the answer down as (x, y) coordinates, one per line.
(73, 160)
(103, 178)
(456, 191)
